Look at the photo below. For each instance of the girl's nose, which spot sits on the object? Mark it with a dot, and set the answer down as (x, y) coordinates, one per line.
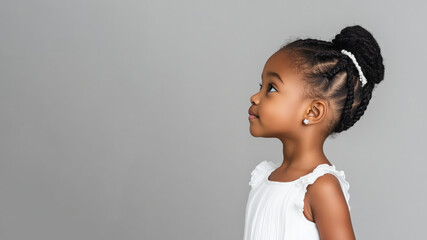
(254, 99)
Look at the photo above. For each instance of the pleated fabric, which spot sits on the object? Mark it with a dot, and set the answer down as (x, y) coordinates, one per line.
(274, 210)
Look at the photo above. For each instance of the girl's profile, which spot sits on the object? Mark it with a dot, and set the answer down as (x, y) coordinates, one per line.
(311, 89)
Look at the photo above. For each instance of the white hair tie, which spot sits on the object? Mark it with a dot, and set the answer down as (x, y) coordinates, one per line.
(361, 76)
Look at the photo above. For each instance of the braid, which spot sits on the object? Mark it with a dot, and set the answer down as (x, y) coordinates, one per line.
(340, 66)
(316, 42)
(346, 118)
(366, 97)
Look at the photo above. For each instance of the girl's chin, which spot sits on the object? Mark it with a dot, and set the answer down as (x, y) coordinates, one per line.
(254, 132)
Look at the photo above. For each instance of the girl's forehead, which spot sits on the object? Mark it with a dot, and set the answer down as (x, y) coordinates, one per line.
(282, 64)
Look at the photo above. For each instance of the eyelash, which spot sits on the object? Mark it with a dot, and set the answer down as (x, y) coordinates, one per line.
(268, 89)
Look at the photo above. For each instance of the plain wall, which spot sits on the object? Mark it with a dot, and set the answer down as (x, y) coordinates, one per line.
(128, 119)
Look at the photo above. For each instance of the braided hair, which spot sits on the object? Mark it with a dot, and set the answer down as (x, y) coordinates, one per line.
(332, 76)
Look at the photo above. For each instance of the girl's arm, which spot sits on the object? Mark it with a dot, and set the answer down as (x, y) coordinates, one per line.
(329, 209)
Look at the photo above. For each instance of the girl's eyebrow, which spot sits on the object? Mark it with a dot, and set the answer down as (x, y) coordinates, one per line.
(273, 74)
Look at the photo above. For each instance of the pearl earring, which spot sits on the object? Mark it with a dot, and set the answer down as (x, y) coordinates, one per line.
(306, 121)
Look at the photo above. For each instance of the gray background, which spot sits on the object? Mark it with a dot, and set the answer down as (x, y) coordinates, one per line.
(128, 119)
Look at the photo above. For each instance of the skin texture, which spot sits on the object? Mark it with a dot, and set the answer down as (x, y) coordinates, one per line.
(281, 109)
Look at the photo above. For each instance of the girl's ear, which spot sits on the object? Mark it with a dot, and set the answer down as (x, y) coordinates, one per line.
(316, 112)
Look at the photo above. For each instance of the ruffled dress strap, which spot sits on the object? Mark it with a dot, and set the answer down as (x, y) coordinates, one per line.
(260, 171)
(310, 178)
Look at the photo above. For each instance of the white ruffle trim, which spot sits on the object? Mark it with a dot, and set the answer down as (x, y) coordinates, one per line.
(311, 178)
(259, 171)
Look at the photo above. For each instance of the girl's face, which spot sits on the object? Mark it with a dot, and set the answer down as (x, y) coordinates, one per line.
(279, 104)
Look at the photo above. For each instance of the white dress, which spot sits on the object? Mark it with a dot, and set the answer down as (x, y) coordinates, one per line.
(274, 210)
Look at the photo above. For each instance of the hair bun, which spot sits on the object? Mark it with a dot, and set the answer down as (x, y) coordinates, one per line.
(365, 48)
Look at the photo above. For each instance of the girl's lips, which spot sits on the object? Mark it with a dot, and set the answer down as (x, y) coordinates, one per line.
(251, 113)
(252, 116)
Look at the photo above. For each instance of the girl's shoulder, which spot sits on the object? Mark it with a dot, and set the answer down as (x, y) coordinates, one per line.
(319, 171)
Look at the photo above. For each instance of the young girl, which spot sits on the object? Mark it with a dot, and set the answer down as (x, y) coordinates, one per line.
(311, 89)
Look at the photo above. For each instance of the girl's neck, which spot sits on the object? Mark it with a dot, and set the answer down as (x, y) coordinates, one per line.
(299, 155)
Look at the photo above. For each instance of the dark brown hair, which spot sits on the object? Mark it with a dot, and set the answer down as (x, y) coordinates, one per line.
(332, 76)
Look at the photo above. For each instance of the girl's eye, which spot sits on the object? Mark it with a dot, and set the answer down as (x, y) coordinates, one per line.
(269, 87)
